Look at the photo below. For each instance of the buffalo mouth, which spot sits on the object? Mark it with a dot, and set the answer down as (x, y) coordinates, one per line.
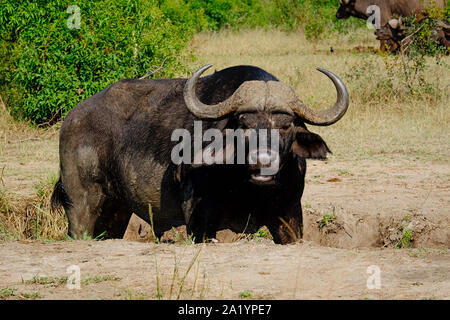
(262, 179)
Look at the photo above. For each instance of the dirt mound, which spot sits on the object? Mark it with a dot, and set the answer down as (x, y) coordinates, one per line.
(351, 230)
(375, 205)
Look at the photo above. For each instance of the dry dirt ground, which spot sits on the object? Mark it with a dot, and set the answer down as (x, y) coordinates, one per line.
(372, 204)
(118, 269)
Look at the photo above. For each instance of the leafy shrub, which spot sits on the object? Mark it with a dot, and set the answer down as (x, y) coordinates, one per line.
(317, 18)
(397, 78)
(405, 241)
(47, 68)
(421, 36)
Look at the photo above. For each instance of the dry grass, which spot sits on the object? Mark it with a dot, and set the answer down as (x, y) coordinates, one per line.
(27, 158)
(378, 122)
(29, 217)
(379, 125)
(27, 154)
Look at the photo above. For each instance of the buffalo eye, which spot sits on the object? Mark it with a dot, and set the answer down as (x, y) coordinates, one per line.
(282, 121)
(243, 121)
(248, 120)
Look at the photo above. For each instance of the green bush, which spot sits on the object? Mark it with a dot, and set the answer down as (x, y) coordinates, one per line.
(47, 68)
(420, 38)
(317, 18)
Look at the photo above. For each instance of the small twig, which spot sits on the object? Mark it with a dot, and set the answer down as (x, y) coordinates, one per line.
(347, 232)
(27, 139)
(2, 104)
(153, 71)
(1, 176)
(409, 36)
(241, 18)
(35, 138)
(290, 231)
(248, 220)
(427, 196)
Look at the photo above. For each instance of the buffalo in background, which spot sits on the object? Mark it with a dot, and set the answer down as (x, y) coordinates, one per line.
(391, 31)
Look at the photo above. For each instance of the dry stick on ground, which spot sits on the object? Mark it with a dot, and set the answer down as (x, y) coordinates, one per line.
(153, 71)
(35, 138)
(1, 176)
(290, 231)
(27, 139)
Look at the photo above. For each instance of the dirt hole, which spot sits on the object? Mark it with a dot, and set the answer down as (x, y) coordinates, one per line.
(337, 228)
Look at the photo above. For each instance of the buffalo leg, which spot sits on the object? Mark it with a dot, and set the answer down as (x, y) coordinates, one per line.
(113, 220)
(85, 209)
(85, 194)
(203, 224)
(383, 44)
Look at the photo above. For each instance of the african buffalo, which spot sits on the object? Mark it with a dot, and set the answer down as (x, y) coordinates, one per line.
(116, 155)
(390, 31)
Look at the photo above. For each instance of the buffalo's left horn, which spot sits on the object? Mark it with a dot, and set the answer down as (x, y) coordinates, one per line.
(394, 23)
(198, 108)
(331, 115)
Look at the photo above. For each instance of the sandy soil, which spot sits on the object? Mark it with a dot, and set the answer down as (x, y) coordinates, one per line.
(118, 269)
(373, 203)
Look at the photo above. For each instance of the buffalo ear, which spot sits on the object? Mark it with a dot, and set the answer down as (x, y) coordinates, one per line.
(309, 145)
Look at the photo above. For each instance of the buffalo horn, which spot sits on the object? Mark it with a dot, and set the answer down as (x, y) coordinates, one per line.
(394, 23)
(200, 109)
(328, 116)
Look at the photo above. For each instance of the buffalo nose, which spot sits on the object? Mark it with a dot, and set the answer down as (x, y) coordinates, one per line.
(263, 157)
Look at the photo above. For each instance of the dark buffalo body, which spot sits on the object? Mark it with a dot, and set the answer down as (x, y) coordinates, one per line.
(115, 156)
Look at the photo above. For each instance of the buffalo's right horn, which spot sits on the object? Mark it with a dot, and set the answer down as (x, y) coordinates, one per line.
(198, 108)
(331, 115)
(394, 23)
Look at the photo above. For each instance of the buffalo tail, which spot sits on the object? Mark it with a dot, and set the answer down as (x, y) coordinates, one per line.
(60, 197)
